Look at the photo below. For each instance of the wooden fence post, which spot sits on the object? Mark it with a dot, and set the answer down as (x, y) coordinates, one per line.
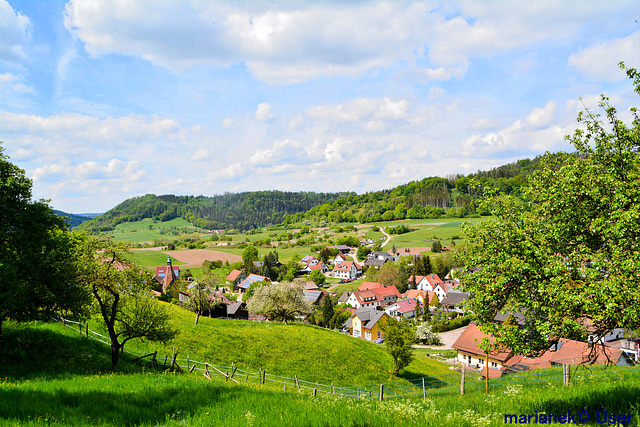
(264, 376)
(486, 378)
(462, 379)
(424, 390)
(381, 392)
(315, 391)
(297, 383)
(86, 329)
(567, 375)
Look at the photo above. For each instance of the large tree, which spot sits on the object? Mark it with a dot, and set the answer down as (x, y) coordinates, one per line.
(122, 294)
(36, 269)
(570, 256)
(280, 301)
(399, 337)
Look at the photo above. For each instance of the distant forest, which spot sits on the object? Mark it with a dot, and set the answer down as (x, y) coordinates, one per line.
(434, 197)
(240, 211)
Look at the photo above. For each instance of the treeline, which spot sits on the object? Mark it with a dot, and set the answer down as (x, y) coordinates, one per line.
(240, 211)
(434, 197)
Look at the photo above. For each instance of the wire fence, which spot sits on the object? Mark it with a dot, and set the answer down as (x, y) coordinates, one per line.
(423, 387)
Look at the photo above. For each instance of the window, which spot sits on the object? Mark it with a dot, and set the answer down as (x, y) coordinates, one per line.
(368, 335)
(357, 333)
(379, 334)
(494, 364)
(481, 361)
(469, 359)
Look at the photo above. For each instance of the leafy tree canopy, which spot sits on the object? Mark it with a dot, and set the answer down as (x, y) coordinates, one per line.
(35, 254)
(570, 256)
(398, 339)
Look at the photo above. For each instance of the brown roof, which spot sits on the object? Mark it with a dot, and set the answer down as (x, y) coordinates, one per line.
(470, 339)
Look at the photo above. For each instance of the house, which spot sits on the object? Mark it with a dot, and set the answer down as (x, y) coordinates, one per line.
(370, 285)
(244, 285)
(309, 285)
(344, 297)
(167, 275)
(339, 258)
(454, 301)
(564, 352)
(425, 297)
(314, 265)
(367, 323)
(388, 294)
(368, 298)
(314, 297)
(429, 283)
(376, 259)
(235, 278)
(237, 310)
(470, 353)
(345, 270)
(408, 309)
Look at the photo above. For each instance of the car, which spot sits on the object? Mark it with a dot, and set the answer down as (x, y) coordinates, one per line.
(379, 341)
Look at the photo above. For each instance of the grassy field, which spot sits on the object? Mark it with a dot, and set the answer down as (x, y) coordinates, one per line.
(51, 375)
(145, 230)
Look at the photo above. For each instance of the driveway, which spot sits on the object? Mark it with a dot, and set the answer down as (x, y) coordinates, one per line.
(447, 338)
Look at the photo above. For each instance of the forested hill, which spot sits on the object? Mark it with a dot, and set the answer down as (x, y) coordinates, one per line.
(241, 211)
(433, 197)
(74, 220)
(454, 196)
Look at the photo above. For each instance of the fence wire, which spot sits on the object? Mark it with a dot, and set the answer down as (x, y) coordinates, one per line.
(423, 387)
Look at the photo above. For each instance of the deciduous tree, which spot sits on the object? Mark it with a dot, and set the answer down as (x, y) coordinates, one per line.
(571, 255)
(398, 338)
(280, 301)
(36, 258)
(121, 293)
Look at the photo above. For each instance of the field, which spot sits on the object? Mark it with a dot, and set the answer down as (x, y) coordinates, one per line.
(145, 230)
(52, 375)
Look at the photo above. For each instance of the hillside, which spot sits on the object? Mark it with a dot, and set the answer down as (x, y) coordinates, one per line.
(241, 211)
(433, 197)
(74, 220)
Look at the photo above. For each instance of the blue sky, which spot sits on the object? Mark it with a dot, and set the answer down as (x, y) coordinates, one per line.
(102, 100)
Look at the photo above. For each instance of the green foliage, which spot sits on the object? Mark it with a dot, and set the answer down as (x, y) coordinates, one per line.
(36, 259)
(280, 301)
(327, 311)
(425, 334)
(398, 339)
(121, 294)
(317, 277)
(572, 253)
(362, 252)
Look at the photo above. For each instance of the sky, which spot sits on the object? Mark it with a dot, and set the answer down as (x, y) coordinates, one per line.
(103, 100)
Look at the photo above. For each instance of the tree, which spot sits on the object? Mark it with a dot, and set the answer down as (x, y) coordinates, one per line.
(436, 246)
(362, 252)
(201, 299)
(398, 338)
(391, 274)
(425, 334)
(570, 255)
(280, 301)
(317, 277)
(121, 293)
(249, 255)
(35, 254)
(327, 311)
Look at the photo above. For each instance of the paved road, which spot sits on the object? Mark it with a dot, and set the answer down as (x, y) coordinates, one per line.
(447, 338)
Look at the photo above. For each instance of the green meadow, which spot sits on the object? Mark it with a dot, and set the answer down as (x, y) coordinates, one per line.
(145, 230)
(52, 375)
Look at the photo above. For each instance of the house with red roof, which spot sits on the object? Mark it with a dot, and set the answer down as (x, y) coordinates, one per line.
(408, 309)
(235, 278)
(388, 294)
(345, 270)
(368, 298)
(365, 286)
(564, 352)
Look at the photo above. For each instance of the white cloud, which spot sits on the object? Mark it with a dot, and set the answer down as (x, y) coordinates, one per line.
(227, 123)
(542, 117)
(14, 83)
(201, 155)
(115, 169)
(263, 113)
(485, 123)
(15, 32)
(600, 61)
(362, 109)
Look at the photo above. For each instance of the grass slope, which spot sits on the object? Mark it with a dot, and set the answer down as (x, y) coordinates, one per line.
(51, 375)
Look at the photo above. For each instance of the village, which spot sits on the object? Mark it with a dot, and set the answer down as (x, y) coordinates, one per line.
(426, 296)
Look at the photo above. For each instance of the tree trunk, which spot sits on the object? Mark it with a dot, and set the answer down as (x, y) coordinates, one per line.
(197, 317)
(115, 355)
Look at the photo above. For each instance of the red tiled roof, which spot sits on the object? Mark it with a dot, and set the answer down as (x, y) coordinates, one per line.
(470, 339)
(233, 275)
(370, 285)
(387, 291)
